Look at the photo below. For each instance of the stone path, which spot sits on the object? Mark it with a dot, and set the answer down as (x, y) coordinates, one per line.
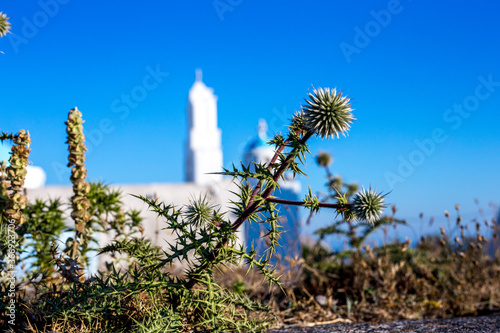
(481, 324)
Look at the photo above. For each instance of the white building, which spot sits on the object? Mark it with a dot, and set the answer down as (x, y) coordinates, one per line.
(203, 149)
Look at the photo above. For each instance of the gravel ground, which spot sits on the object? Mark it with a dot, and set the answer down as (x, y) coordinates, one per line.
(465, 324)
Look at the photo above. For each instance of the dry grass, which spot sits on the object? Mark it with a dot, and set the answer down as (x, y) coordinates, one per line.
(441, 277)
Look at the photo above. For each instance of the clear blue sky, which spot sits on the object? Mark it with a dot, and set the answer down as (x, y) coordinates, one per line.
(416, 70)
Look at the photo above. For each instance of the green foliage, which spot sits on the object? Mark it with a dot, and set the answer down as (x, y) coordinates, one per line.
(108, 216)
(44, 225)
(311, 202)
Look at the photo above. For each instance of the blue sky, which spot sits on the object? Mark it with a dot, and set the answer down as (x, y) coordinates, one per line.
(424, 77)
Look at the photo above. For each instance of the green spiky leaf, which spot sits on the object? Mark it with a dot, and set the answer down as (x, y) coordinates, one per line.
(368, 205)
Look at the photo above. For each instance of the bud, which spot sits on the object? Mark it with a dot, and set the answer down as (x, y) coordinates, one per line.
(368, 205)
(324, 159)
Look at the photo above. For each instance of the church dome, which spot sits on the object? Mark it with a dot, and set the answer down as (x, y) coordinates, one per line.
(261, 139)
(257, 150)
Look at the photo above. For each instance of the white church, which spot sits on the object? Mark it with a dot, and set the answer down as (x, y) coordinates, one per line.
(204, 156)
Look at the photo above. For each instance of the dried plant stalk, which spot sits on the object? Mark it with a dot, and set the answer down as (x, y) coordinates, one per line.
(76, 159)
(4, 184)
(16, 173)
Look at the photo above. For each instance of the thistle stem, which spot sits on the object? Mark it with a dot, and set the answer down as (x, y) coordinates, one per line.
(301, 203)
(252, 205)
(270, 166)
(328, 173)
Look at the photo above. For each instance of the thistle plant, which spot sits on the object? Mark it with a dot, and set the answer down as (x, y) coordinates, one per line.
(206, 238)
(149, 297)
(327, 114)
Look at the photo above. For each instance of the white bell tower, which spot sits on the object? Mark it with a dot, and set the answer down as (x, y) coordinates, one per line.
(203, 151)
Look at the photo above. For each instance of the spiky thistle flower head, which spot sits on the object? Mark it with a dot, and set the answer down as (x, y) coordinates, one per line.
(335, 183)
(352, 189)
(328, 113)
(200, 212)
(368, 205)
(298, 122)
(324, 159)
(4, 24)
